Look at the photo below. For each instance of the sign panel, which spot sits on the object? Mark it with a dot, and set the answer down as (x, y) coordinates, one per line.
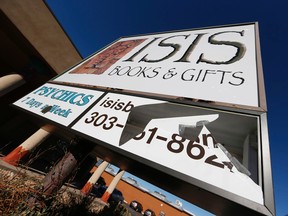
(61, 104)
(195, 140)
(213, 64)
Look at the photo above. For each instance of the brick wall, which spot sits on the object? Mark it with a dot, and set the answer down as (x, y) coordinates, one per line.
(131, 192)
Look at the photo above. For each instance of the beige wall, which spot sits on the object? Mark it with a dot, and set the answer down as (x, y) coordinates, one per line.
(38, 25)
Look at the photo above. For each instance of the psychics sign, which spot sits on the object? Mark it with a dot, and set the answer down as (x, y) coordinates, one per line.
(61, 104)
(214, 64)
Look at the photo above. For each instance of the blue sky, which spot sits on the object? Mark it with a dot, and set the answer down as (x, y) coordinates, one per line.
(92, 25)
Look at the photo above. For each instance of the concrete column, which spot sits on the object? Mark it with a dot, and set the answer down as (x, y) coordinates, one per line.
(112, 186)
(10, 82)
(37, 138)
(93, 179)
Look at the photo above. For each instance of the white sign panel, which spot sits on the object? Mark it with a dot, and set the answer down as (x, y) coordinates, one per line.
(216, 64)
(109, 117)
(142, 127)
(61, 104)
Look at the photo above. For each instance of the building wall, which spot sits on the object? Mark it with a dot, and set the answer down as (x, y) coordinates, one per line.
(34, 46)
(131, 193)
(38, 25)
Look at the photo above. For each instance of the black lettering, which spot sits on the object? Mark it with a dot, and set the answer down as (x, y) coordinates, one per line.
(242, 80)
(125, 72)
(240, 49)
(198, 75)
(201, 151)
(128, 107)
(104, 102)
(114, 103)
(190, 49)
(208, 72)
(189, 77)
(211, 160)
(155, 72)
(223, 74)
(119, 106)
(108, 103)
(143, 72)
(143, 48)
(139, 70)
(205, 140)
(162, 43)
(114, 71)
(177, 141)
(170, 74)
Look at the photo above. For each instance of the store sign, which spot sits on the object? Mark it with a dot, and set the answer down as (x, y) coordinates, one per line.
(145, 127)
(203, 145)
(61, 104)
(213, 64)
